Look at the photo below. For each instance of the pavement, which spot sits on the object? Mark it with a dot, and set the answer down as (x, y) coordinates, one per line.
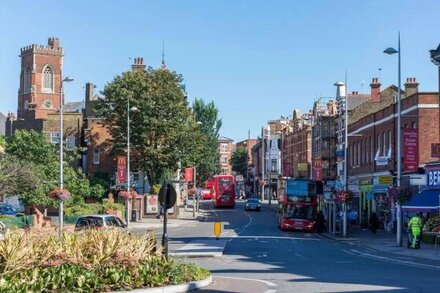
(386, 242)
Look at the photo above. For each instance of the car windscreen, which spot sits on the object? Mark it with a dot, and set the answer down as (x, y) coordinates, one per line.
(253, 201)
(113, 222)
(93, 222)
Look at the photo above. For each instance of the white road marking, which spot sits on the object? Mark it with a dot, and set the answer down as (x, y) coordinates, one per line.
(390, 260)
(270, 291)
(270, 284)
(277, 237)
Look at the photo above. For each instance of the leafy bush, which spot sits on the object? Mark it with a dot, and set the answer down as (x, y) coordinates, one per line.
(93, 208)
(433, 224)
(94, 261)
(155, 188)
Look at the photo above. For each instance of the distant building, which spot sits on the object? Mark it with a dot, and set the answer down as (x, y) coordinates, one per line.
(2, 124)
(225, 147)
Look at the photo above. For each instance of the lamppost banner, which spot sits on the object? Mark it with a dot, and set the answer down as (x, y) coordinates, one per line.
(121, 175)
(410, 149)
(189, 174)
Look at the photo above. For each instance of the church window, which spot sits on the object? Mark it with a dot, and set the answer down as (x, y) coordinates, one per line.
(27, 80)
(47, 79)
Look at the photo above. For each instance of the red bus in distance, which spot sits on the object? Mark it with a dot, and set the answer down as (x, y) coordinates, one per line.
(224, 191)
(207, 191)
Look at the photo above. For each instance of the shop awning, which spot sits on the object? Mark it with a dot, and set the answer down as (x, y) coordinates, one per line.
(426, 200)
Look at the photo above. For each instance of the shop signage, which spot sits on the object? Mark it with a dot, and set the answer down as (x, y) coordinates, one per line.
(381, 160)
(410, 149)
(302, 166)
(121, 173)
(434, 178)
(417, 179)
(365, 181)
(189, 174)
(385, 180)
(152, 204)
(435, 150)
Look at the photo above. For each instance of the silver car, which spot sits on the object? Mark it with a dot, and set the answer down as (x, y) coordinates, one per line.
(100, 222)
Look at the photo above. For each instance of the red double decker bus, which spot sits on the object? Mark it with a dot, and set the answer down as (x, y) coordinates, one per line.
(298, 205)
(223, 191)
(207, 191)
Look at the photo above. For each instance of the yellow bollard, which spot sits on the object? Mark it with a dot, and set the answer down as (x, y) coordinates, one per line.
(217, 229)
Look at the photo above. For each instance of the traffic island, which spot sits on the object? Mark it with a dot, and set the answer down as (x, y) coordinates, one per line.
(93, 261)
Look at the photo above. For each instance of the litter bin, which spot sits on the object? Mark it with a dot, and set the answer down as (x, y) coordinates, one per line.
(134, 215)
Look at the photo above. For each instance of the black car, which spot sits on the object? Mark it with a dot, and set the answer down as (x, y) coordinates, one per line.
(253, 204)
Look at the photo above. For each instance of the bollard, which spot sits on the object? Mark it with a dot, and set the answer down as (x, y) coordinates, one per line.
(217, 229)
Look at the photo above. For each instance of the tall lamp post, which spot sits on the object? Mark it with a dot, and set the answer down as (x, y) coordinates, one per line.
(133, 109)
(391, 51)
(435, 58)
(61, 183)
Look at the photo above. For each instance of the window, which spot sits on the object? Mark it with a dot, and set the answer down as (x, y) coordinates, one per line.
(378, 143)
(47, 79)
(27, 80)
(413, 125)
(224, 171)
(359, 153)
(54, 137)
(224, 160)
(274, 165)
(224, 148)
(96, 156)
(371, 150)
(385, 145)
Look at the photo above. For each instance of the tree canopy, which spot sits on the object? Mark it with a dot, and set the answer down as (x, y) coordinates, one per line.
(239, 160)
(163, 131)
(210, 124)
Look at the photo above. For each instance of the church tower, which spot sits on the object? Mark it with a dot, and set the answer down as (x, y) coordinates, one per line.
(40, 80)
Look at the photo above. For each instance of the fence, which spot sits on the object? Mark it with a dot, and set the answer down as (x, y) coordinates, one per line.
(17, 221)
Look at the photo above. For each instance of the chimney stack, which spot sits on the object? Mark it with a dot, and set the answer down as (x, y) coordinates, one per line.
(411, 86)
(138, 64)
(89, 91)
(375, 90)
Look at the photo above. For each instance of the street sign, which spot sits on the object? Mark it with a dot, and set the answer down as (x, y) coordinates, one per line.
(385, 180)
(239, 178)
(167, 196)
(417, 179)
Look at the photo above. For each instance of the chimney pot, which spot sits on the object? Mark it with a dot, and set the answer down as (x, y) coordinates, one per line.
(375, 90)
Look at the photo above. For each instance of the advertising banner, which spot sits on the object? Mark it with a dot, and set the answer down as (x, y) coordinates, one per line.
(286, 169)
(302, 166)
(410, 149)
(121, 175)
(189, 174)
(317, 170)
(152, 204)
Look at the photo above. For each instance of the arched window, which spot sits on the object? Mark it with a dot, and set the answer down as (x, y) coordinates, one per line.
(27, 80)
(47, 79)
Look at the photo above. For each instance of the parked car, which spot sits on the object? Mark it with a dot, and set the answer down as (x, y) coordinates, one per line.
(206, 194)
(253, 204)
(99, 222)
(7, 209)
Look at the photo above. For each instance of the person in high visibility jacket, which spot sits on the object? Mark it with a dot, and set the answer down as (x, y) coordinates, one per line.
(415, 226)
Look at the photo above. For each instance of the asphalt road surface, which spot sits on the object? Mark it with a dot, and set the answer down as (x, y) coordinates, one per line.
(260, 258)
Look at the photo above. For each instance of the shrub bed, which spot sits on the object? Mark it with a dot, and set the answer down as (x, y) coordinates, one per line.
(93, 261)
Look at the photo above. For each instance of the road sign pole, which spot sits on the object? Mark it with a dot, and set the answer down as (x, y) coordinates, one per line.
(165, 219)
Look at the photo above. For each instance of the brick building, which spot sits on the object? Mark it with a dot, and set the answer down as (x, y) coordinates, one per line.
(324, 140)
(225, 148)
(248, 144)
(39, 96)
(296, 150)
(372, 144)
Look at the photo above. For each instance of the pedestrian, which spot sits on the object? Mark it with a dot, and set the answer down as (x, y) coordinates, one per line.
(415, 228)
(185, 203)
(320, 222)
(353, 217)
(374, 223)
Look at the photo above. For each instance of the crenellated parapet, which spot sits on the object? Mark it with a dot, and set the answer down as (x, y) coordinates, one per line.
(52, 48)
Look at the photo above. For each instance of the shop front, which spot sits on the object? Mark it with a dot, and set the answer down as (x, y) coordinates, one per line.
(381, 203)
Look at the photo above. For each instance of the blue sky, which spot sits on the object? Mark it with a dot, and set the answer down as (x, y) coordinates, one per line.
(257, 60)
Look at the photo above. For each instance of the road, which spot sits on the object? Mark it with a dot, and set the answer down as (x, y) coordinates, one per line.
(260, 258)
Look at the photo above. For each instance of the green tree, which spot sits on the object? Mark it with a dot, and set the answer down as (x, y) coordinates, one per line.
(16, 177)
(162, 131)
(239, 160)
(34, 152)
(210, 124)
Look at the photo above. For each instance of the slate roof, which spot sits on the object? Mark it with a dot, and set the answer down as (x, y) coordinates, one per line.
(224, 138)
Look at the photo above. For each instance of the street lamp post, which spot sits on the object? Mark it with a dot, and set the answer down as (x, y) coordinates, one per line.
(391, 51)
(61, 183)
(435, 58)
(128, 158)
